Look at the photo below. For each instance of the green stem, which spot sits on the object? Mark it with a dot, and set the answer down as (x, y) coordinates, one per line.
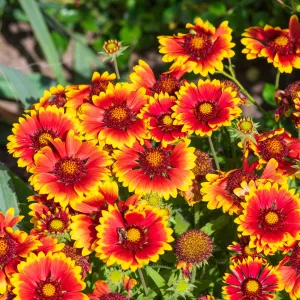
(277, 80)
(233, 152)
(299, 133)
(243, 90)
(231, 69)
(194, 272)
(116, 68)
(213, 152)
(143, 281)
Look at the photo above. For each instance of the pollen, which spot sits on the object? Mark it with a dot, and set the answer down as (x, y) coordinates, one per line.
(167, 120)
(44, 138)
(205, 108)
(69, 167)
(281, 40)
(252, 286)
(3, 246)
(250, 251)
(133, 235)
(56, 225)
(275, 146)
(197, 42)
(271, 218)
(205, 111)
(118, 113)
(154, 158)
(49, 290)
(166, 83)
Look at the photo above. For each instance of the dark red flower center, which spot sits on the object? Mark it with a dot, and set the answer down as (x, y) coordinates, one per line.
(59, 99)
(99, 86)
(70, 170)
(295, 259)
(118, 117)
(247, 251)
(8, 249)
(282, 44)
(42, 138)
(236, 177)
(154, 162)
(205, 111)
(251, 288)
(49, 290)
(133, 237)
(166, 83)
(292, 91)
(274, 147)
(113, 296)
(270, 220)
(198, 46)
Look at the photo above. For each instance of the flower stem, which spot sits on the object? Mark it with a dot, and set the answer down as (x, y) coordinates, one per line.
(233, 152)
(194, 272)
(277, 80)
(143, 281)
(299, 133)
(243, 90)
(213, 152)
(116, 68)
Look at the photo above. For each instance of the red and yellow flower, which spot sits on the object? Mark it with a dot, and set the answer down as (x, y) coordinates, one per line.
(250, 279)
(112, 118)
(279, 145)
(14, 244)
(102, 291)
(202, 50)
(159, 121)
(35, 131)
(228, 189)
(168, 82)
(289, 273)
(280, 46)
(76, 95)
(135, 239)
(68, 170)
(205, 108)
(51, 276)
(147, 169)
(271, 217)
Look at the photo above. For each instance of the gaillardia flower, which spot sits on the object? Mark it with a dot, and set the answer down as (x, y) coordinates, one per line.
(202, 50)
(51, 276)
(102, 292)
(147, 169)
(135, 239)
(112, 118)
(168, 82)
(193, 246)
(250, 279)
(35, 131)
(68, 170)
(205, 108)
(280, 46)
(159, 121)
(271, 217)
(289, 273)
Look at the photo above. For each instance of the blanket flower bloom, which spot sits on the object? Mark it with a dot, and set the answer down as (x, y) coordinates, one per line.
(202, 50)
(280, 46)
(135, 239)
(205, 107)
(35, 130)
(68, 170)
(112, 118)
(271, 217)
(51, 276)
(250, 279)
(147, 169)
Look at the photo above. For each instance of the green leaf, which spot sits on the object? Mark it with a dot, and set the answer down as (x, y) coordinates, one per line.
(130, 35)
(27, 88)
(214, 225)
(158, 280)
(268, 93)
(181, 224)
(217, 8)
(43, 36)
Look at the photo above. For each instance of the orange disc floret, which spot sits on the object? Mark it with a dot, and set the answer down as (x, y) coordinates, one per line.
(51, 276)
(280, 46)
(250, 279)
(35, 131)
(270, 217)
(134, 240)
(159, 120)
(202, 50)
(146, 169)
(112, 118)
(68, 170)
(206, 107)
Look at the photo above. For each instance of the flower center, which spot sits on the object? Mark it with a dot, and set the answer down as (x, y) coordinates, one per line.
(250, 251)
(271, 218)
(133, 235)
(245, 126)
(166, 83)
(49, 290)
(252, 286)
(205, 111)
(111, 46)
(167, 120)
(282, 44)
(70, 170)
(118, 117)
(134, 238)
(198, 46)
(281, 40)
(295, 259)
(274, 147)
(154, 162)
(116, 276)
(42, 138)
(57, 225)
(8, 249)
(236, 177)
(3, 246)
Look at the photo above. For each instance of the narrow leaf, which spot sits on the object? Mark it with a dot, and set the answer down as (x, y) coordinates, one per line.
(43, 36)
(158, 280)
